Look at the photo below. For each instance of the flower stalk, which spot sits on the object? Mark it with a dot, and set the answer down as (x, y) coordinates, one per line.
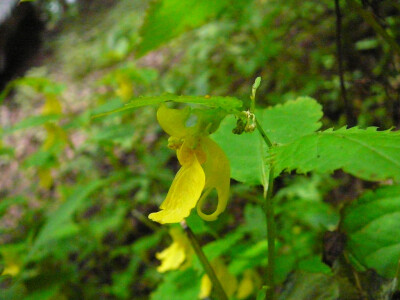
(204, 261)
(268, 205)
(270, 217)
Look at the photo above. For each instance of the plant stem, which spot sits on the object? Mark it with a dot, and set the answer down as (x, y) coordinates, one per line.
(397, 276)
(263, 135)
(204, 261)
(351, 120)
(270, 216)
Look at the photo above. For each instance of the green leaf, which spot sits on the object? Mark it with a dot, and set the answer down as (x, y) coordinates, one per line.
(227, 103)
(282, 123)
(252, 256)
(365, 153)
(304, 286)
(183, 285)
(39, 84)
(47, 284)
(314, 264)
(116, 133)
(255, 221)
(32, 122)
(219, 247)
(122, 281)
(167, 19)
(143, 244)
(59, 224)
(262, 293)
(246, 166)
(372, 224)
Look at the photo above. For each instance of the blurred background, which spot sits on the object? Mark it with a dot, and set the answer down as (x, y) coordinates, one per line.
(75, 191)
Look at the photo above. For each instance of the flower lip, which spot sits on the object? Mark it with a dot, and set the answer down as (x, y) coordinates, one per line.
(204, 166)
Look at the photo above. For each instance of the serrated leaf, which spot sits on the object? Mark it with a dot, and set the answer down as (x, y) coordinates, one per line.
(227, 103)
(167, 19)
(365, 153)
(372, 224)
(246, 166)
(282, 123)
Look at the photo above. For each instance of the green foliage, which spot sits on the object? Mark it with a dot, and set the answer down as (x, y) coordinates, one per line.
(182, 283)
(246, 166)
(38, 84)
(60, 225)
(77, 189)
(371, 224)
(32, 122)
(169, 18)
(283, 124)
(351, 149)
(304, 286)
(227, 103)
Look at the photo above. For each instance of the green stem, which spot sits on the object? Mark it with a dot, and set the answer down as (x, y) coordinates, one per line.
(398, 275)
(270, 216)
(204, 261)
(137, 214)
(263, 135)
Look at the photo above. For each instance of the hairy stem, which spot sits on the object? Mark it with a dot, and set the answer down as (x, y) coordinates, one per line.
(204, 261)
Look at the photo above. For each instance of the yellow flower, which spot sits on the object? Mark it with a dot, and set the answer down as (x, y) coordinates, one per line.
(204, 167)
(248, 285)
(178, 255)
(227, 280)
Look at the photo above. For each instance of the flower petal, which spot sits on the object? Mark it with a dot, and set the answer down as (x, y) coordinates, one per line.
(171, 257)
(247, 285)
(217, 172)
(205, 287)
(183, 194)
(172, 121)
(176, 254)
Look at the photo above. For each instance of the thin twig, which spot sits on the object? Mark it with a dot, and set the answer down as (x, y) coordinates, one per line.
(356, 278)
(204, 261)
(351, 121)
(142, 218)
(370, 19)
